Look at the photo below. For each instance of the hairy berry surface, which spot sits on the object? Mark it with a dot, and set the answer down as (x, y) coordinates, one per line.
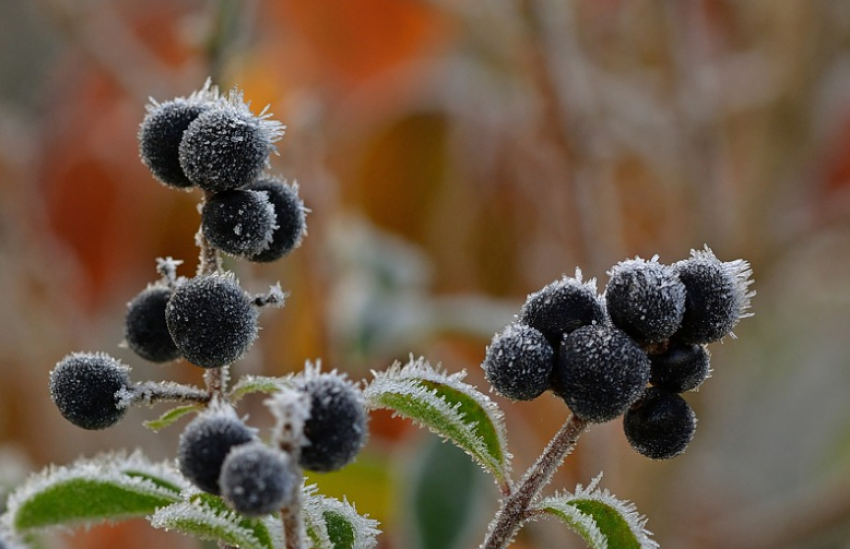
(205, 443)
(519, 363)
(145, 329)
(84, 385)
(562, 307)
(661, 425)
(600, 372)
(212, 320)
(257, 480)
(239, 222)
(160, 135)
(290, 214)
(682, 367)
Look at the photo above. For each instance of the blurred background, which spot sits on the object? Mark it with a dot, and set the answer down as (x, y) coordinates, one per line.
(456, 156)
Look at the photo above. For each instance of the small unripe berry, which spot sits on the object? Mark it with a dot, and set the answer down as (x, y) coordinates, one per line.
(680, 368)
(257, 480)
(212, 320)
(600, 372)
(205, 443)
(145, 329)
(239, 222)
(226, 146)
(562, 307)
(290, 214)
(717, 296)
(519, 363)
(645, 299)
(336, 427)
(660, 425)
(84, 385)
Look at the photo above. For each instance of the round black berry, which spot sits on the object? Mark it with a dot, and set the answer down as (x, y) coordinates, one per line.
(290, 214)
(205, 444)
(162, 130)
(600, 372)
(336, 427)
(85, 387)
(212, 320)
(239, 222)
(226, 146)
(661, 425)
(519, 363)
(645, 299)
(562, 307)
(717, 296)
(256, 480)
(145, 329)
(682, 367)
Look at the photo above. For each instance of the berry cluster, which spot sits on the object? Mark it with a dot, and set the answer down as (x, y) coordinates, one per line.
(216, 144)
(630, 351)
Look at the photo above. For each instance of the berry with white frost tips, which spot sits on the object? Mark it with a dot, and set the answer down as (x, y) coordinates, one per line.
(336, 427)
(660, 425)
(84, 387)
(645, 299)
(519, 362)
(256, 480)
(212, 320)
(291, 218)
(718, 296)
(562, 307)
(145, 329)
(205, 443)
(682, 367)
(239, 222)
(227, 146)
(600, 372)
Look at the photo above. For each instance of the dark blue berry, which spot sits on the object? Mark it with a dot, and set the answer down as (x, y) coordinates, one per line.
(645, 299)
(290, 214)
(256, 480)
(562, 307)
(239, 222)
(145, 329)
(212, 320)
(660, 425)
(682, 367)
(600, 372)
(717, 296)
(85, 387)
(205, 443)
(336, 427)
(519, 363)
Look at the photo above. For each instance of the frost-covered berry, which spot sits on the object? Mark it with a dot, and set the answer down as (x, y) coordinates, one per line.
(257, 480)
(519, 362)
(600, 372)
(336, 428)
(660, 425)
(145, 329)
(682, 367)
(645, 299)
(239, 222)
(84, 387)
(212, 320)
(226, 146)
(162, 130)
(718, 296)
(205, 443)
(562, 307)
(290, 214)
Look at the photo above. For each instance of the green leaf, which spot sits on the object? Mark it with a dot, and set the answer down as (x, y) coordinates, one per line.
(603, 521)
(109, 487)
(447, 406)
(257, 384)
(334, 524)
(207, 517)
(171, 416)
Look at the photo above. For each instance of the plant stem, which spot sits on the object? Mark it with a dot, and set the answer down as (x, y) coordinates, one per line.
(293, 525)
(514, 508)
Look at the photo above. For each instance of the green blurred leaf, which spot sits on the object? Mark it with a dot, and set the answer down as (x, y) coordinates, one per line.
(171, 416)
(334, 524)
(257, 384)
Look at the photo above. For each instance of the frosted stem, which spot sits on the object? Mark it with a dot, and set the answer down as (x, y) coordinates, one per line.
(149, 393)
(514, 508)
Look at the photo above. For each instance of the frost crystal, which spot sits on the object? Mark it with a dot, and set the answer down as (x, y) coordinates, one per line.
(86, 387)
(519, 362)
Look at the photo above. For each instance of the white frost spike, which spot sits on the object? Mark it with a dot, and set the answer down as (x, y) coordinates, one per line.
(275, 297)
(316, 507)
(291, 409)
(738, 270)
